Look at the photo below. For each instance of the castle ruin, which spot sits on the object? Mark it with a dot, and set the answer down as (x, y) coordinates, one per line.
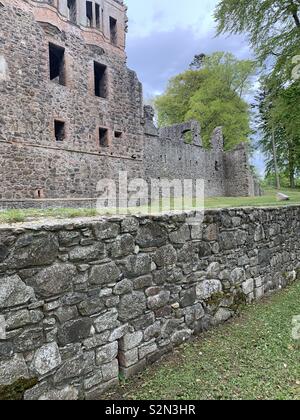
(73, 113)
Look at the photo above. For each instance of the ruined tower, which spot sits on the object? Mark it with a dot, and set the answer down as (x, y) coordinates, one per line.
(71, 109)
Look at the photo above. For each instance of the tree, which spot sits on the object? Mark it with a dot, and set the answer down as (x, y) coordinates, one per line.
(273, 27)
(279, 123)
(213, 94)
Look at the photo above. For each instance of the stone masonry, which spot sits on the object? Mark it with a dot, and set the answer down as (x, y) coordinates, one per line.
(85, 301)
(73, 114)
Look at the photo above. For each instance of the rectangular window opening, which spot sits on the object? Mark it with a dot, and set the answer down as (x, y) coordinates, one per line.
(118, 134)
(72, 11)
(113, 25)
(89, 13)
(100, 75)
(57, 64)
(59, 129)
(103, 137)
(97, 11)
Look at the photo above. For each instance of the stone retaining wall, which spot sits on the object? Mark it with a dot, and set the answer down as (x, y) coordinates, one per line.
(83, 302)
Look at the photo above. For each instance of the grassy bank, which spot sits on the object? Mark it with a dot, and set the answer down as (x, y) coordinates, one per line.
(254, 357)
(268, 199)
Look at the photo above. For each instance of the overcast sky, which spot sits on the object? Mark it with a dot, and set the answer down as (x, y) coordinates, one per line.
(164, 36)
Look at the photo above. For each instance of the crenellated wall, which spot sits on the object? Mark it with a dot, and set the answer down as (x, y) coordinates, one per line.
(85, 301)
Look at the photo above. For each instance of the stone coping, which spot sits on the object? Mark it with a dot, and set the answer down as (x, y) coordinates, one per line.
(49, 223)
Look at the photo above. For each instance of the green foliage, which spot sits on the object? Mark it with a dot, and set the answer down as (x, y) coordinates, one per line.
(273, 28)
(212, 94)
(15, 391)
(279, 115)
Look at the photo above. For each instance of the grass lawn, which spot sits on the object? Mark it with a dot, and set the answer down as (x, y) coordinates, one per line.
(252, 358)
(268, 199)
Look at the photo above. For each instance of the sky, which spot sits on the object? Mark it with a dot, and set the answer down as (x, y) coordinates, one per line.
(164, 36)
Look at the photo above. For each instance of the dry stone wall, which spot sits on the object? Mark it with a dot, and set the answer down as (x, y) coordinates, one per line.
(85, 301)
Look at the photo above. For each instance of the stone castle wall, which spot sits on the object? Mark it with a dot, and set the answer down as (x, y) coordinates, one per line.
(82, 302)
(30, 158)
(168, 155)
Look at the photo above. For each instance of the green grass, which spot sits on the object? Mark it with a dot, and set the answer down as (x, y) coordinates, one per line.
(268, 199)
(252, 358)
(14, 216)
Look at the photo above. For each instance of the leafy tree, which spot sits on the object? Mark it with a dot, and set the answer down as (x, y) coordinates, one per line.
(273, 27)
(213, 94)
(279, 116)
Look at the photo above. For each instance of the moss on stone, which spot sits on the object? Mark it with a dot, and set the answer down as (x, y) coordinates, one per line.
(16, 390)
(240, 300)
(215, 299)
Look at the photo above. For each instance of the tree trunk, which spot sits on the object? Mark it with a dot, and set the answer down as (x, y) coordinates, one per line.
(275, 159)
(292, 168)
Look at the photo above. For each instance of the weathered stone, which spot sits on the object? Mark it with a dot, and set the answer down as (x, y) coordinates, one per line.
(87, 253)
(264, 257)
(153, 331)
(123, 287)
(69, 238)
(118, 333)
(232, 239)
(97, 340)
(158, 301)
(93, 381)
(123, 246)
(223, 315)
(129, 224)
(129, 341)
(248, 286)
(107, 353)
(30, 339)
(207, 288)
(13, 369)
(147, 349)
(151, 235)
(14, 292)
(282, 197)
(104, 274)
(181, 236)
(33, 250)
(165, 256)
(46, 359)
(237, 276)
(193, 314)
(53, 280)
(213, 270)
(70, 369)
(129, 358)
(170, 326)
(110, 371)
(211, 233)
(66, 313)
(106, 230)
(69, 393)
(144, 321)
(74, 331)
(188, 297)
(91, 306)
(180, 337)
(142, 282)
(132, 306)
(259, 233)
(106, 321)
(136, 265)
(6, 348)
